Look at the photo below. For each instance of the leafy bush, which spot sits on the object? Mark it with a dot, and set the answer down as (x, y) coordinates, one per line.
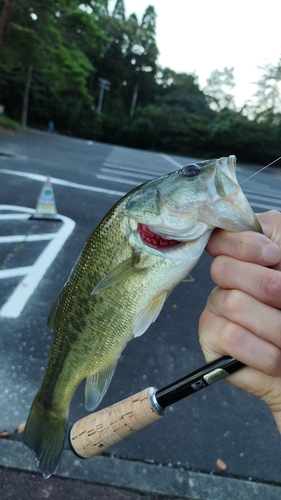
(9, 124)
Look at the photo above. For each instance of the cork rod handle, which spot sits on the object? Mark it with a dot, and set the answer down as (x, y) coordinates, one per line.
(95, 433)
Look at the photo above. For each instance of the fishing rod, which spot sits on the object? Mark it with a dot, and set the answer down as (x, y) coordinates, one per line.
(95, 433)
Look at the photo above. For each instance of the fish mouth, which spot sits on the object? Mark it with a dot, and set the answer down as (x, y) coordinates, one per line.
(243, 213)
(156, 241)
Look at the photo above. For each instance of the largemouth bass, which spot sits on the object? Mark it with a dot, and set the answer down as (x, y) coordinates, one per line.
(146, 244)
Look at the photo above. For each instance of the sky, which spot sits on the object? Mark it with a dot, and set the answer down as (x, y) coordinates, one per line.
(199, 36)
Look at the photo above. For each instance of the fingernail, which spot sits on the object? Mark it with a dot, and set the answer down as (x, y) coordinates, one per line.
(271, 253)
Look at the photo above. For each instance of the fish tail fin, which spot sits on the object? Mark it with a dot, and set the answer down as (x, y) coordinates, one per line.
(44, 434)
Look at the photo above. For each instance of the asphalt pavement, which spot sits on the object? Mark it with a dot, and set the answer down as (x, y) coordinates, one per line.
(219, 443)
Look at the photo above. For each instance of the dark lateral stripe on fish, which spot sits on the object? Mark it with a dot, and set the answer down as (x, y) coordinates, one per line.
(155, 240)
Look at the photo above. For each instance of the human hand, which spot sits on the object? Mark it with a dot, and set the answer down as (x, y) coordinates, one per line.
(242, 317)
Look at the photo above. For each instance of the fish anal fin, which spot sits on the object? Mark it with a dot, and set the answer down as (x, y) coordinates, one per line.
(149, 314)
(97, 385)
(122, 271)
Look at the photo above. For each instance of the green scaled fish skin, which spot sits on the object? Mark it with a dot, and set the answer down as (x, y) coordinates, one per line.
(120, 282)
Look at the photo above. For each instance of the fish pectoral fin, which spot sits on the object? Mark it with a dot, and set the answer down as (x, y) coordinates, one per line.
(120, 272)
(188, 279)
(97, 385)
(149, 314)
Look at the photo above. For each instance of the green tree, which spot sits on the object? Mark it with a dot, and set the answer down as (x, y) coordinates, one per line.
(110, 64)
(129, 61)
(5, 17)
(119, 10)
(232, 133)
(165, 128)
(39, 44)
(267, 106)
(142, 56)
(181, 91)
(217, 89)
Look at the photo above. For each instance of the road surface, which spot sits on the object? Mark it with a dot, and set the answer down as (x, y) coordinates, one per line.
(221, 422)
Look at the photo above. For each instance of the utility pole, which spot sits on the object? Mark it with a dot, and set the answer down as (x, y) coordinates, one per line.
(104, 85)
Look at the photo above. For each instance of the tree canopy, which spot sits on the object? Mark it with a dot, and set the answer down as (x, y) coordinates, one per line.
(94, 73)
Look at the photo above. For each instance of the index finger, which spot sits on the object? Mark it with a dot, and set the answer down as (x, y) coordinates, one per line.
(246, 246)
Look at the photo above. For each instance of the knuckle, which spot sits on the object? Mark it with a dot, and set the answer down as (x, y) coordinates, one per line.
(232, 301)
(218, 268)
(229, 336)
(274, 214)
(210, 326)
(203, 324)
(271, 285)
(272, 361)
(277, 339)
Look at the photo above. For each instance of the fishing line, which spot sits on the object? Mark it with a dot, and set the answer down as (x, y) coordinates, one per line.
(253, 175)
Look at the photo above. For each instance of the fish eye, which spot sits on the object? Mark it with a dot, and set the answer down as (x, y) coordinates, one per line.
(191, 170)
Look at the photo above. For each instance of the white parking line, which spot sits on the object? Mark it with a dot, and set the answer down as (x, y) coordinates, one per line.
(136, 166)
(171, 160)
(113, 171)
(32, 274)
(13, 273)
(116, 179)
(23, 237)
(62, 182)
(12, 216)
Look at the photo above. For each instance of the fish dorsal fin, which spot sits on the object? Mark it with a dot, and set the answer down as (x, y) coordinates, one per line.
(97, 385)
(52, 315)
(119, 273)
(148, 314)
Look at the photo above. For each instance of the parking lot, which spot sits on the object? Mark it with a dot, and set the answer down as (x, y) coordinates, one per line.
(36, 258)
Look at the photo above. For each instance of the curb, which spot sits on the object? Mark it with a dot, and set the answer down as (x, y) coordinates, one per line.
(143, 477)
